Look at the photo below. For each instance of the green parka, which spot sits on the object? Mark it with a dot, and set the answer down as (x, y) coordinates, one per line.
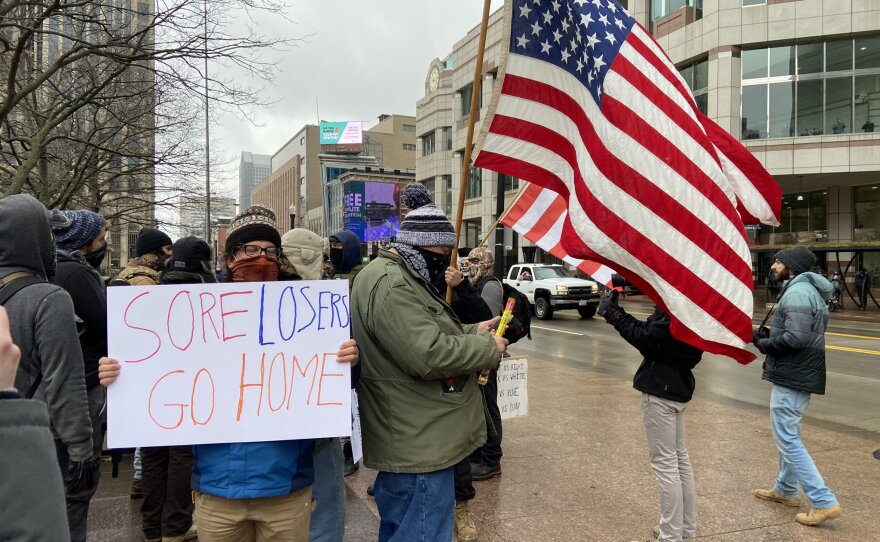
(411, 341)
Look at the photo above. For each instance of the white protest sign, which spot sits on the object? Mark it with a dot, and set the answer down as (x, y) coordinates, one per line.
(513, 387)
(234, 362)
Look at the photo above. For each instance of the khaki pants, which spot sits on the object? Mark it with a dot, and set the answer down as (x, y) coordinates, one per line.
(283, 519)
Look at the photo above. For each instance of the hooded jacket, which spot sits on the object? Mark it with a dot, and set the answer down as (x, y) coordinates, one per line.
(351, 255)
(667, 368)
(411, 341)
(796, 346)
(43, 325)
(86, 288)
(142, 271)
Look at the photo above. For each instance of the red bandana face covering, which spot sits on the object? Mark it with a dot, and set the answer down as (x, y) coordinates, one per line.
(258, 269)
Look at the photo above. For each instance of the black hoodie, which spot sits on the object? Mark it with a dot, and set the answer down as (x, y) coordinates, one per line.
(42, 321)
(351, 253)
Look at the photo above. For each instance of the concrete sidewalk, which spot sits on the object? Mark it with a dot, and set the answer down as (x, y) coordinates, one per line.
(576, 468)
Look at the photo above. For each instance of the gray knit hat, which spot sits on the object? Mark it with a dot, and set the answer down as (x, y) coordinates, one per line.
(425, 225)
(257, 222)
(798, 259)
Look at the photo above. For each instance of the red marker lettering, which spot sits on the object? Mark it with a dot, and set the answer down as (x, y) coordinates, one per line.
(224, 314)
(150, 331)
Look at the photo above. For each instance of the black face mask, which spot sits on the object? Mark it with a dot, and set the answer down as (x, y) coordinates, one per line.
(336, 257)
(436, 265)
(95, 258)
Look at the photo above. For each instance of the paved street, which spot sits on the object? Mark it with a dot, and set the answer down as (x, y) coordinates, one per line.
(576, 467)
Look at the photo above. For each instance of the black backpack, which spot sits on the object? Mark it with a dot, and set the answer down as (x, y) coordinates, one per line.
(520, 322)
(9, 286)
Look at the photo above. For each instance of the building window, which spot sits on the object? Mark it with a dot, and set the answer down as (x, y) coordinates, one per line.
(302, 140)
(696, 75)
(409, 127)
(747, 3)
(466, 92)
(475, 183)
(662, 8)
(804, 220)
(448, 196)
(143, 8)
(508, 182)
(447, 131)
(811, 89)
(866, 204)
(428, 145)
(409, 146)
(429, 185)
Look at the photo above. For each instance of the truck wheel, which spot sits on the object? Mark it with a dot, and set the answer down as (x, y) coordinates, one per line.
(587, 312)
(543, 310)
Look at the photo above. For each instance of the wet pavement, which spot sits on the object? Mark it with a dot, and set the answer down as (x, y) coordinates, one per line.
(576, 467)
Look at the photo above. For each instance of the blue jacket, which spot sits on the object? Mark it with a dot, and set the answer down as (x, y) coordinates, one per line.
(796, 346)
(251, 470)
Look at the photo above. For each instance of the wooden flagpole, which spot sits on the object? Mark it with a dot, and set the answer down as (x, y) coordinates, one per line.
(500, 218)
(466, 162)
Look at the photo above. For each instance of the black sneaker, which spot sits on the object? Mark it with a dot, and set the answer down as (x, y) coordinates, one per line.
(484, 472)
(370, 490)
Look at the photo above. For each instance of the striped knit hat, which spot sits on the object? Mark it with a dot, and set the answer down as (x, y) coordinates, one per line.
(257, 222)
(425, 225)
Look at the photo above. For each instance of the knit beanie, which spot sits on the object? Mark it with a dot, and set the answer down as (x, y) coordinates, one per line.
(191, 255)
(798, 259)
(425, 225)
(84, 227)
(150, 240)
(305, 250)
(256, 223)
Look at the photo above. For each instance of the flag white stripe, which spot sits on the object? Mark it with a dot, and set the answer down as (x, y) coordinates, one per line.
(751, 198)
(631, 211)
(541, 204)
(639, 33)
(646, 163)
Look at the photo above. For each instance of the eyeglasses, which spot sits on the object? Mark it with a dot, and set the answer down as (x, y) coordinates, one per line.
(255, 250)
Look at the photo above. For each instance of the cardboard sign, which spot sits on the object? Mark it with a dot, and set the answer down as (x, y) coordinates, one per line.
(513, 387)
(234, 362)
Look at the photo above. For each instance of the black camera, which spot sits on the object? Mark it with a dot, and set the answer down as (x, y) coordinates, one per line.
(619, 281)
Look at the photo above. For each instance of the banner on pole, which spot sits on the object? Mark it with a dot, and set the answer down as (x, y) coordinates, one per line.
(234, 362)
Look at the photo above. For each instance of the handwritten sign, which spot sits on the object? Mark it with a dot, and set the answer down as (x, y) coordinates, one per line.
(235, 362)
(513, 387)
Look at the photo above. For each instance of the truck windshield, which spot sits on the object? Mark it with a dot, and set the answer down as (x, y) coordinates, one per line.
(551, 272)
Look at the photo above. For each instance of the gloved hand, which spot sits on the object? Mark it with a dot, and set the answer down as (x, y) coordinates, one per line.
(607, 302)
(761, 333)
(83, 474)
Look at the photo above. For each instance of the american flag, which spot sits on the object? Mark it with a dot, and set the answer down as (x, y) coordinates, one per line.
(591, 108)
(538, 215)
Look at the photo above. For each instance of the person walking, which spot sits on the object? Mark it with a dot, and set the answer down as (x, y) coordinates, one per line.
(795, 365)
(666, 380)
(863, 288)
(416, 424)
(81, 246)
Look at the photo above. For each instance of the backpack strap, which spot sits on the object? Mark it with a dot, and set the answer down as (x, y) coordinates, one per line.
(9, 286)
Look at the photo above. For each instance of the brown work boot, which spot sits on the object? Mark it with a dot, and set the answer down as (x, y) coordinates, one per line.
(465, 526)
(772, 495)
(817, 515)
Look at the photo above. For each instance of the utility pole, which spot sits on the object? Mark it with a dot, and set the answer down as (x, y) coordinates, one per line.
(207, 142)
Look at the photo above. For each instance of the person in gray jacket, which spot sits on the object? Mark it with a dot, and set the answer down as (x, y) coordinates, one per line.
(30, 485)
(795, 365)
(43, 326)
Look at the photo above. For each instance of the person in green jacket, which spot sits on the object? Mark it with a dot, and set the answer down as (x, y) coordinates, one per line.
(420, 405)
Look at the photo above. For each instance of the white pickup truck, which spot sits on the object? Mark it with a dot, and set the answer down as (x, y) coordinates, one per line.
(552, 287)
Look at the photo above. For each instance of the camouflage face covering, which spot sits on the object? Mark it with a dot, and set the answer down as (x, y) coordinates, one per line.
(481, 263)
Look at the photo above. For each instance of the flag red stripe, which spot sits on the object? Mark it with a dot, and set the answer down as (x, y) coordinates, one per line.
(663, 68)
(662, 101)
(631, 182)
(536, 91)
(630, 239)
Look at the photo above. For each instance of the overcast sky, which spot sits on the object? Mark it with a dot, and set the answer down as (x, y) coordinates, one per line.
(360, 58)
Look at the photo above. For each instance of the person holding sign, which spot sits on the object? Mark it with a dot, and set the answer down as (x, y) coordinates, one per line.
(252, 491)
(416, 425)
(667, 383)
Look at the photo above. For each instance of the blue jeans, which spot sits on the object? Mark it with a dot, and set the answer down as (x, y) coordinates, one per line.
(415, 507)
(328, 518)
(787, 407)
(138, 470)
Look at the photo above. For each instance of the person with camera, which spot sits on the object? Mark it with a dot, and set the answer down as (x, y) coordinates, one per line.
(666, 380)
(795, 365)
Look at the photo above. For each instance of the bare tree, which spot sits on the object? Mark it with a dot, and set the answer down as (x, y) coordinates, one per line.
(103, 99)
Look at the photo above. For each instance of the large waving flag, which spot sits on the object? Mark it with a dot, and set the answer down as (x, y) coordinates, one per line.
(591, 108)
(538, 214)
